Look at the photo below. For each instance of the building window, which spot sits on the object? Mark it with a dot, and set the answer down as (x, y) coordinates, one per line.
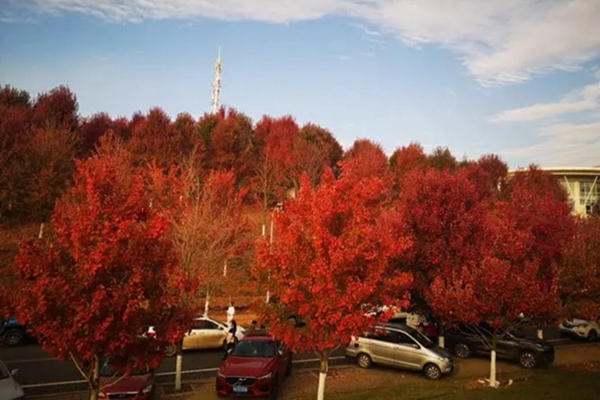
(585, 190)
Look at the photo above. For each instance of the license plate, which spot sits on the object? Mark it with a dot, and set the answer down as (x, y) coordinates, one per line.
(240, 389)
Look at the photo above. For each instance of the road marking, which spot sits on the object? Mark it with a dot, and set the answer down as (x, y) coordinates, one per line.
(39, 385)
(30, 360)
(189, 371)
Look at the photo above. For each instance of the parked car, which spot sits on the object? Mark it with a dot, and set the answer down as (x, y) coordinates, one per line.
(465, 341)
(138, 385)
(206, 333)
(9, 387)
(255, 368)
(400, 346)
(581, 328)
(12, 333)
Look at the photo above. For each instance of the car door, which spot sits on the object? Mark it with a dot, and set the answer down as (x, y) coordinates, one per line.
(507, 346)
(408, 352)
(382, 346)
(192, 338)
(211, 335)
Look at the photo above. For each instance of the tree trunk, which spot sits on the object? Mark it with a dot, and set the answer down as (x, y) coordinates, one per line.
(206, 303)
(493, 382)
(441, 341)
(178, 363)
(95, 380)
(324, 356)
(41, 234)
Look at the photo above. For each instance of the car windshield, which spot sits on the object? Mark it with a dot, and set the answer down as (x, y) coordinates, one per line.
(422, 339)
(108, 370)
(4, 374)
(255, 348)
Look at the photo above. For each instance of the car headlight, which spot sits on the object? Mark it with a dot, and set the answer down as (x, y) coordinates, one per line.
(266, 376)
(444, 359)
(147, 389)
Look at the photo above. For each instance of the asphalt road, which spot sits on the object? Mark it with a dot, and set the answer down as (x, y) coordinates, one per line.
(40, 373)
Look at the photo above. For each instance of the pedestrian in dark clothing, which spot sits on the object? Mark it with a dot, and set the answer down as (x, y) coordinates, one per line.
(431, 331)
(231, 338)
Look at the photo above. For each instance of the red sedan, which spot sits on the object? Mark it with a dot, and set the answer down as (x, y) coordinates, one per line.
(139, 385)
(255, 368)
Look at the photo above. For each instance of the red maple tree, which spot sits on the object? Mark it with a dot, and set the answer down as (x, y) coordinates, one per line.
(270, 181)
(122, 273)
(580, 271)
(330, 258)
(406, 159)
(370, 159)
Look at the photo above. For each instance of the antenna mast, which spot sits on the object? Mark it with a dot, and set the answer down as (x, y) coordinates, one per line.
(217, 85)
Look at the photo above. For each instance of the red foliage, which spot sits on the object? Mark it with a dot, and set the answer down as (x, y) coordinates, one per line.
(370, 160)
(442, 159)
(90, 131)
(229, 142)
(510, 267)
(347, 240)
(580, 271)
(332, 150)
(407, 159)
(271, 171)
(57, 110)
(444, 214)
(496, 169)
(114, 267)
(15, 136)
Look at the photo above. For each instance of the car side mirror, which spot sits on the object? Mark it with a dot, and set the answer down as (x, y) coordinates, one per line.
(14, 372)
(415, 346)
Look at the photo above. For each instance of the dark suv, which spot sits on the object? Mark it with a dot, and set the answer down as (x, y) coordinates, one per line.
(12, 333)
(466, 341)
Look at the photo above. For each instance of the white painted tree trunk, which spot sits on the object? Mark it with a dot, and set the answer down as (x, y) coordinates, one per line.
(323, 375)
(206, 303)
(493, 382)
(321, 392)
(540, 334)
(178, 364)
(441, 341)
(41, 234)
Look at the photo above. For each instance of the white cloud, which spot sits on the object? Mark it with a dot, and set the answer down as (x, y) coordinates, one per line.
(584, 99)
(499, 41)
(564, 144)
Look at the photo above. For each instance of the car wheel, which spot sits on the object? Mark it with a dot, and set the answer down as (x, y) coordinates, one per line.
(592, 336)
(462, 350)
(364, 360)
(432, 372)
(171, 350)
(528, 360)
(13, 337)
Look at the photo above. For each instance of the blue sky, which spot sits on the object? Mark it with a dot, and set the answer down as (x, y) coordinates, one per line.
(519, 78)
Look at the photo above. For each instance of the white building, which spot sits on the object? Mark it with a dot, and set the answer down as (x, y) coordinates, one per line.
(583, 186)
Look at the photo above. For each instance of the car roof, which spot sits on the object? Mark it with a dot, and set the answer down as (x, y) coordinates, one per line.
(396, 326)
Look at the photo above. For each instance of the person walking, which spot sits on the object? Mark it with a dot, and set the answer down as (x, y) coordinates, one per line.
(230, 312)
(231, 338)
(431, 331)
